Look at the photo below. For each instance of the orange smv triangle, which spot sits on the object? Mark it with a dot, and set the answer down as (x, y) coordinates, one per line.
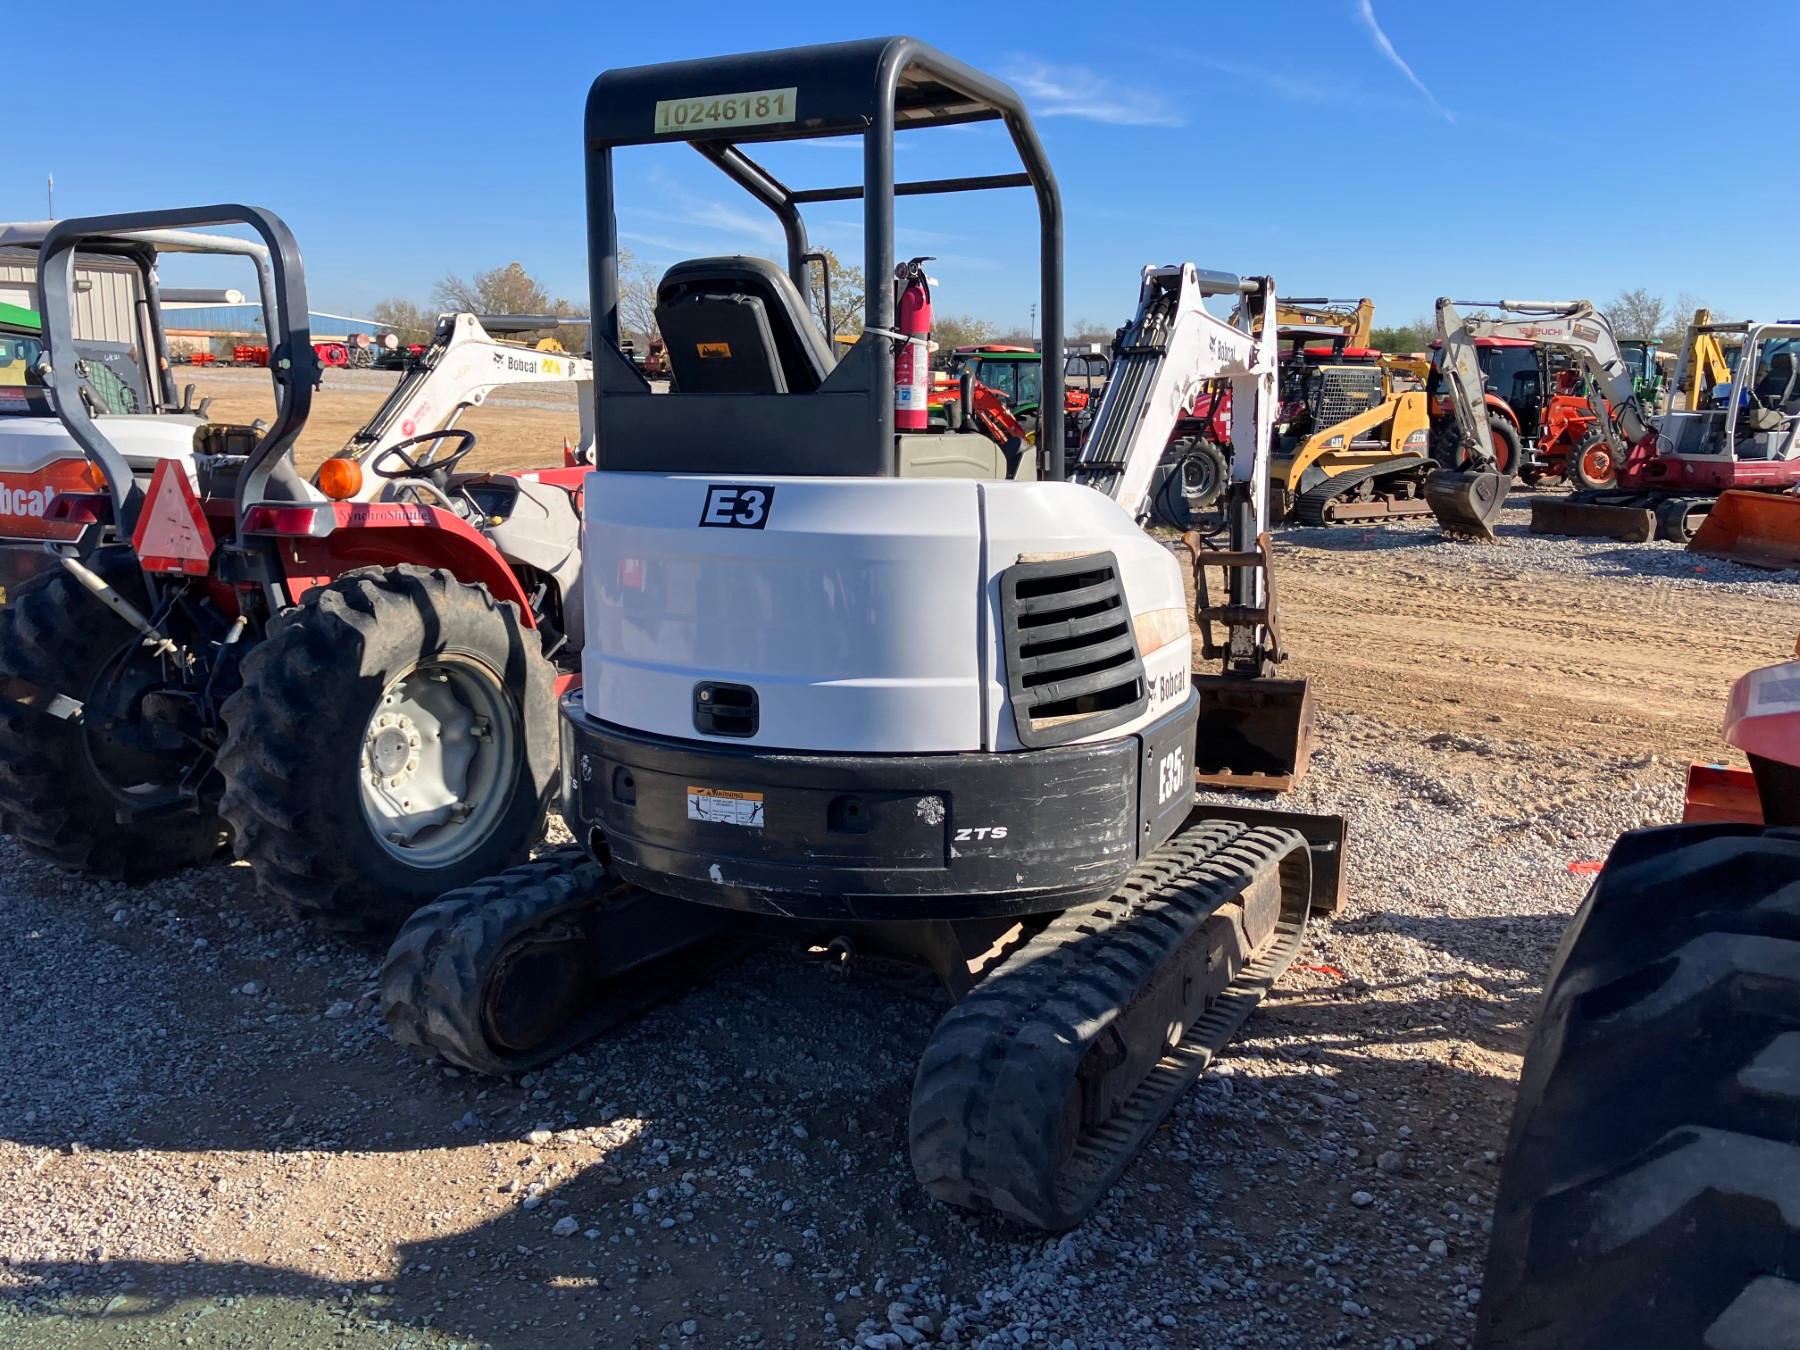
(171, 533)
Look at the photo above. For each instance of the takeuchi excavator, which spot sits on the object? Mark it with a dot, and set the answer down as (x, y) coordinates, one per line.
(949, 716)
(1469, 491)
(1733, 451)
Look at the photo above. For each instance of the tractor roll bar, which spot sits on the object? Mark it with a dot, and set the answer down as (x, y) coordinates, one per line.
(269, 472)
(869, 88)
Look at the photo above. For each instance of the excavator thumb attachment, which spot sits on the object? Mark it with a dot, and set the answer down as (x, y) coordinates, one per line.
(1759, 529)
(1254, 734)
(1467, 502)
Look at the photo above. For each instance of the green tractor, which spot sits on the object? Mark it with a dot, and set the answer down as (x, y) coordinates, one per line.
(1646, 375)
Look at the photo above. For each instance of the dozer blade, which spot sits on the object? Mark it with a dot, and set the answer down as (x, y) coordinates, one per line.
(1254, 734)
(1759, 529)
(1560, 515)
(1467, 503)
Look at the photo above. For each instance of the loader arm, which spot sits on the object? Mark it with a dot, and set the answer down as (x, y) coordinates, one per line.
(463, 365)
(1354, 318)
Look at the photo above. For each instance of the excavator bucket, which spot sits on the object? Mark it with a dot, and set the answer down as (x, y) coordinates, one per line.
(1467, 502)
(1760, 529)
(1601, 520)
(1253, 734)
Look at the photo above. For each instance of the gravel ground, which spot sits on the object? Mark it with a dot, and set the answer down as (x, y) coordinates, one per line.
(205, 1108)
(207, 1138)
(1521, 551)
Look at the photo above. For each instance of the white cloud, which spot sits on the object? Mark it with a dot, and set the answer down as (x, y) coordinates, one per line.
(1076, 91)
(1365, 10)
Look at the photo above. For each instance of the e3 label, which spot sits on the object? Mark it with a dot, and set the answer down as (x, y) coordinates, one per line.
(737, 507)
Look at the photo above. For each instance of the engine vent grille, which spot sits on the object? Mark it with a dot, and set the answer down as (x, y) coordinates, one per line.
(1072, 661)
(1343, 392)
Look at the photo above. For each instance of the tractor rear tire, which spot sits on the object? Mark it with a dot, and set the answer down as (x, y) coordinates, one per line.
(1451, 451)
(1592, 463)
(355, 779)
(1508, 450)
(56, 799)
(1647, 1195)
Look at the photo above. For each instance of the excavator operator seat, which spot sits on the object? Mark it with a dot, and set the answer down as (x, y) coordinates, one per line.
(738, 325)
(1777, 387)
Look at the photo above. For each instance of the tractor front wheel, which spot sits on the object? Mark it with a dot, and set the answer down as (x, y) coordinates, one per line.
(394, 738)
(1592, 461)
(76, 791)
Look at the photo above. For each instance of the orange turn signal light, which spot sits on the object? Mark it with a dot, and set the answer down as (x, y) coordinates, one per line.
(340, 479)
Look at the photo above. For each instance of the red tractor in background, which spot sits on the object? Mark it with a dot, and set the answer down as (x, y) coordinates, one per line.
(356, 675)
(1543, 399)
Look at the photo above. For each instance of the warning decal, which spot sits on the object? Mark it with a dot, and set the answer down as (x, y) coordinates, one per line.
(171, 533)
(725, 808)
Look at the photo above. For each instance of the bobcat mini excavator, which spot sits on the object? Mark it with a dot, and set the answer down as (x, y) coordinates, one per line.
(946, 716)
(1467, 495)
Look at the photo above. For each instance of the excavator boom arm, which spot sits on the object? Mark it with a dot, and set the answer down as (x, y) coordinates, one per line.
(1172, 349)
(463, 365)
(1572, 326)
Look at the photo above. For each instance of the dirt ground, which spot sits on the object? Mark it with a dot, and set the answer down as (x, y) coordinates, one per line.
(206, 1137)
(522, 426)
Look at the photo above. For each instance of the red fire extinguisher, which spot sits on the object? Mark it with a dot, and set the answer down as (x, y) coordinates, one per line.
(912, 363)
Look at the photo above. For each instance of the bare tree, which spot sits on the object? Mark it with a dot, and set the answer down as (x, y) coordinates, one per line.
(509, 290)
(1637, 313)
(637, 298)
(413, 323)
(499, 290)
(950, 331)
(848, 293)
(1091, 330)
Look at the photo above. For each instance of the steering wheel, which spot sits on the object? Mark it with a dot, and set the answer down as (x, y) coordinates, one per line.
(437, 467)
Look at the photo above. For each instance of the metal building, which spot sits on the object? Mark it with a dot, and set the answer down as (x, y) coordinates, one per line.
(106, 292)
(246, 321)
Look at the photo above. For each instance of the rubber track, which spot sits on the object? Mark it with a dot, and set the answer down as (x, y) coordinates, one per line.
(55, 635)
(1650, 1193)
(435, 975)
(1309, 506)
(989, 1101)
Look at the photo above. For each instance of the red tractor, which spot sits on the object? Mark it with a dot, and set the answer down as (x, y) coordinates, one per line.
(1543, 402)
(353, 676)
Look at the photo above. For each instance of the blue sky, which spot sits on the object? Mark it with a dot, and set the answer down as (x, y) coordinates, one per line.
(1350, 147)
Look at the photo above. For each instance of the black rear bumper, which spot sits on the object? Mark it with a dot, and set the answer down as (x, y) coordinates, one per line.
(847, 837)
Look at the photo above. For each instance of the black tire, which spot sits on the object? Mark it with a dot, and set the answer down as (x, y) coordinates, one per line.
(1447, 447)
(1191, 479)
(1646, 1194)
(433, 982)
(1509, 450)
(1581, 471)
(55, 798)
(295, 733)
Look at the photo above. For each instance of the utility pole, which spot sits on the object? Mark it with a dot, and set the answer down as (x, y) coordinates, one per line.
(1034, 322)
(50, 194)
